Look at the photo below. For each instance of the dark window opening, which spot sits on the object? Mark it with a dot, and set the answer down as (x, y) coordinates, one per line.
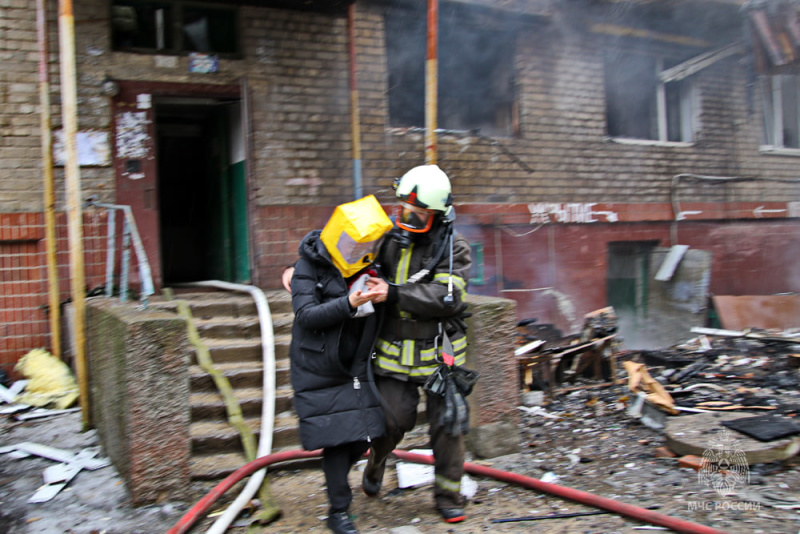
(174, 27)
(475, 70)
(633, 109)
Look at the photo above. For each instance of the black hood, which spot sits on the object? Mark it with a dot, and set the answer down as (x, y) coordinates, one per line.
(313, 249)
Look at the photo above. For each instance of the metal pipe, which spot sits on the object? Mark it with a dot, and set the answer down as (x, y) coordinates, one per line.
(130, 235)
(69, 112)
(126, 261)
(431, 83)
(53, 288)
(355, 121)
(111, 252)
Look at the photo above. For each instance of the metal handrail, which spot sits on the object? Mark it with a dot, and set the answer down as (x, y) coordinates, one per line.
(130, 236)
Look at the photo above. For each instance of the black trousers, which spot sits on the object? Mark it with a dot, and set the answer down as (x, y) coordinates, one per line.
(336, 464)
(401, 401)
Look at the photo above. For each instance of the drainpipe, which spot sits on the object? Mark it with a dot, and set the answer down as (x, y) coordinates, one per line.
(69, 113)
(431, 83)
(354, 116)
(47, 168)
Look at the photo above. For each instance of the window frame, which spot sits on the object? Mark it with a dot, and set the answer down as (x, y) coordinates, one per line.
(175, 34)
(660, 119)
(773, 131)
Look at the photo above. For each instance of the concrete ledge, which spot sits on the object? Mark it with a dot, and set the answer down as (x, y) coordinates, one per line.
(696, 434)
(493, 404)
(139, 382)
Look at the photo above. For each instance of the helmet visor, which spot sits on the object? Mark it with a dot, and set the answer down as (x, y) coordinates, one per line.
(414, 219)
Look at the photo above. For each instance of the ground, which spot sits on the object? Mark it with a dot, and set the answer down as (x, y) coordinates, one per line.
(585, 438)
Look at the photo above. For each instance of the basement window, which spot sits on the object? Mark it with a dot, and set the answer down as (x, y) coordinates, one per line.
(475, 69)
(640, 106)
(781, 116)
(174, 27)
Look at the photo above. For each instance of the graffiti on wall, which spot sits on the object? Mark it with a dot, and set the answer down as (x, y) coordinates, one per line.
(572, 212)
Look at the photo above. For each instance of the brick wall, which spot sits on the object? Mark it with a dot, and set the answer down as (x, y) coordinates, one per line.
(24, 302)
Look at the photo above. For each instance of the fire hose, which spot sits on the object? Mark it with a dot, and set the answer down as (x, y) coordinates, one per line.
(583, 497)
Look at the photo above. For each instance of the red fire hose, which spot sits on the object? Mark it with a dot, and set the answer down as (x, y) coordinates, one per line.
(635, 512)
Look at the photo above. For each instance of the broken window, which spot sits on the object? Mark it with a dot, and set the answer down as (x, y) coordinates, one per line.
(475, 69)
(781, 117)
(640, 106)
(173, 27)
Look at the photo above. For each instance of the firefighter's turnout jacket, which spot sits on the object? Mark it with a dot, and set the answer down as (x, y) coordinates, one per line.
(406, 347)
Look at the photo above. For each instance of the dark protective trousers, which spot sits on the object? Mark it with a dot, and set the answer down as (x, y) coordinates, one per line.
(400, 401)
(336, 464)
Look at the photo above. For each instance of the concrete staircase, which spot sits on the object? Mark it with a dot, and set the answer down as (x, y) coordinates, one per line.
(228, 324)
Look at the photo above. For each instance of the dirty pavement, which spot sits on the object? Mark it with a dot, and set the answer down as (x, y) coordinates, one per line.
(664, 429)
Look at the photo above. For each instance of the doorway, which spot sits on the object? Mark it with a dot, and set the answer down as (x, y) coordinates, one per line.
(628, 287)
(201, 189)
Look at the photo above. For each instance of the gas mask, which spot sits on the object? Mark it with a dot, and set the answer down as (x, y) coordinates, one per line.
(354, 234)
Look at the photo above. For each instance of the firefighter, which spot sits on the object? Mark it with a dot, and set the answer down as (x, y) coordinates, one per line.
(427, 266)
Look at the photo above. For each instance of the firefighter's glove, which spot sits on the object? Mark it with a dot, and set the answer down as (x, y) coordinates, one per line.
(464, 379)
(455, 416)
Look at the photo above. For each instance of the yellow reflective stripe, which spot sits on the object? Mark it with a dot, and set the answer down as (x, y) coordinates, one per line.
(444, 278)
(448, 485)
(428, 354)
(407, 358)
(401, 275)
(387, 348)
(392, 365)
(423, 371)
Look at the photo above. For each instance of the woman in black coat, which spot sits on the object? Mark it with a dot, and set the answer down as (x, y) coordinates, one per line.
(330, 354)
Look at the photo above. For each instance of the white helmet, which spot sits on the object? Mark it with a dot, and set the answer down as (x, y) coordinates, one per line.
(425, 186)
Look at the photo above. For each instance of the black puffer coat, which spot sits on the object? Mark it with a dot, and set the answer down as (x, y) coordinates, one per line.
(334, 400)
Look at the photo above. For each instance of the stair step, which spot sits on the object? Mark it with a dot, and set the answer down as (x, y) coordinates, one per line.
(224, 327)
(213, 304)
(222, 302)
(243, 349)
(211, 437)
(210, 405)
(239, 374)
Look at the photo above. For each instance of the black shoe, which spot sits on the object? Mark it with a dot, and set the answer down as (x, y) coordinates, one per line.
(370, 488)
(340, 523)
(452, 515)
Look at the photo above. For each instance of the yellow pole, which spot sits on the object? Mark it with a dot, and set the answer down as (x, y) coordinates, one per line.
(355, 121)
(47, 168)
(69, 114)
(431, 83)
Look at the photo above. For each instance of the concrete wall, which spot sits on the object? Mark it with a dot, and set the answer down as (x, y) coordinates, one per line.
(139, 383)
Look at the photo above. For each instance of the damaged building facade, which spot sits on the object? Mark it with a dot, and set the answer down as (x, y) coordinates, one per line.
(585, 140)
